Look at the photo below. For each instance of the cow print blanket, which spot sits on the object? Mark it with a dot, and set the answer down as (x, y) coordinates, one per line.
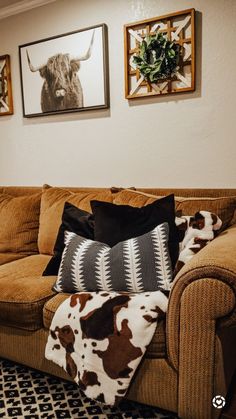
(99, 338)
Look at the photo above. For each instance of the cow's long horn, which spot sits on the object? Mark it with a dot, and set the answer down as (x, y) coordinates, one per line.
(88, 53)
(32, 68)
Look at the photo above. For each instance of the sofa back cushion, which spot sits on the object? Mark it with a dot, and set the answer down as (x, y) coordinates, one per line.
(19, 223)
(224, 207)
(52, 204)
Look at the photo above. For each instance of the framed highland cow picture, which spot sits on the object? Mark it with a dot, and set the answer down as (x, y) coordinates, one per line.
(65, 73)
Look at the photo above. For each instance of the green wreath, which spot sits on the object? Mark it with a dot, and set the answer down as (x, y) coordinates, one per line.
(158, 58)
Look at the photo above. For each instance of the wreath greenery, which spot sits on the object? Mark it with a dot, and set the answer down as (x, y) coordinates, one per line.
(158, 58)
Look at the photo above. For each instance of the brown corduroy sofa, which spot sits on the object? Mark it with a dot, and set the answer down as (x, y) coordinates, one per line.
(192, 355)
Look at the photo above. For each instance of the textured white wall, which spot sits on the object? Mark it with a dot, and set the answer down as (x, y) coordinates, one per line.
(181, 141)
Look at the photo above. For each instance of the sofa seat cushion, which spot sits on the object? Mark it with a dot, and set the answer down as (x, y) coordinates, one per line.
(23, 292)
(9, 257)
(156, 349)
(51, 306)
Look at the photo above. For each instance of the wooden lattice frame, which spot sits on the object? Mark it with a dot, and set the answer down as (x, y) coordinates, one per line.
(6, 102)
(178, 27)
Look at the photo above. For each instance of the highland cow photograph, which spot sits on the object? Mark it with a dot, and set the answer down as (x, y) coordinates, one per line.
(65, 73)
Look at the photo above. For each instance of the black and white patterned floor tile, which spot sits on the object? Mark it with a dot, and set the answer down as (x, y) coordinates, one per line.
(29, 394)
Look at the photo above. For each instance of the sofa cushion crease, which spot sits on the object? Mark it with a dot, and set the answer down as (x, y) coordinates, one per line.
(10, 257)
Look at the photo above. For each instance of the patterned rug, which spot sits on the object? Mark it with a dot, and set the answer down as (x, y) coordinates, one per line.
(29, 394)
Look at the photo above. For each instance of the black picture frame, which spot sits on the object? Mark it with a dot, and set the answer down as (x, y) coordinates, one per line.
(65, 73)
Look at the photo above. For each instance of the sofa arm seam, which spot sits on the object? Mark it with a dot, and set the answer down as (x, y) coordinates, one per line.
(197, 276)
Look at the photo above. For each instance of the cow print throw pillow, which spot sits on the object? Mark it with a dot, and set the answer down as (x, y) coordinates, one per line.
(135, 265)
(195, 232)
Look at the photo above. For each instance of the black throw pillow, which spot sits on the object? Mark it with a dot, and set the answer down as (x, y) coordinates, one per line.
(116, 223)
(75, 220)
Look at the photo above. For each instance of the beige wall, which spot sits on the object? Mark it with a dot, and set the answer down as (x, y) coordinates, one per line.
(185, 140)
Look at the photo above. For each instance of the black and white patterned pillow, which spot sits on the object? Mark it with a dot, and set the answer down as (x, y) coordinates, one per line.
(136, 265)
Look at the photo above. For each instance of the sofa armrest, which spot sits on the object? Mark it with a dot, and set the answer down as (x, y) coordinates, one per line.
(217, 262)
(202, 300)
